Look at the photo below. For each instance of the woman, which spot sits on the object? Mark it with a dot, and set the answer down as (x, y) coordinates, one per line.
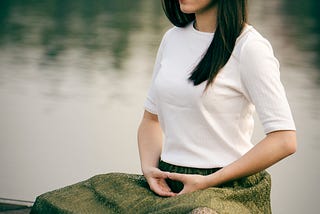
(209, 72)
(212, 68)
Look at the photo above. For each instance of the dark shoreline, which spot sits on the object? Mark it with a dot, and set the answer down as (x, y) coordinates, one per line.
(14, 208)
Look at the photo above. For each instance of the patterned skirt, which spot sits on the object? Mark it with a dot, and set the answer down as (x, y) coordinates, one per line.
(130, 193)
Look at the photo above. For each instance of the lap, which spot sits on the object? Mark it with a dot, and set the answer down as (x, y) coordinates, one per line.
(129, 193)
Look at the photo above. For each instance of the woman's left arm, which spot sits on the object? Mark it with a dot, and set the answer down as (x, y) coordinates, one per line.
(273, 148)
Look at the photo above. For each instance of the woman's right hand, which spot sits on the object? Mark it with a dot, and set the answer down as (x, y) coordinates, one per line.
(150, 146)
(157, 182)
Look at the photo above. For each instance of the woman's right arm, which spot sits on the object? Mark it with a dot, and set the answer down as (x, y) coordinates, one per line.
(149, 141)
(150, 146)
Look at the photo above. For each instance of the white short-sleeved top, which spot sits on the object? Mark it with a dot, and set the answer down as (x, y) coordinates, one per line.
(213, 128)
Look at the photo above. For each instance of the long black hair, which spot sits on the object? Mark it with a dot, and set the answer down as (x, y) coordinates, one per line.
(232, 16)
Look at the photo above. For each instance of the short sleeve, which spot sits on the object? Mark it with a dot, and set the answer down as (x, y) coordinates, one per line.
(151, 103)
(260, 77)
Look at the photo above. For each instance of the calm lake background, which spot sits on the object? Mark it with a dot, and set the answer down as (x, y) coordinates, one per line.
(74, 76)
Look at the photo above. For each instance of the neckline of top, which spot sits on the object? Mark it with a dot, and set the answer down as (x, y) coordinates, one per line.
(246, 28)
(191, 25)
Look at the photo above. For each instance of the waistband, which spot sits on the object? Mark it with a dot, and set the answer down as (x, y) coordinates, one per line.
(185, 170)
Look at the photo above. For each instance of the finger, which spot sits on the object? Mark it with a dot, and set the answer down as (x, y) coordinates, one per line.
(161, 174)
(161, 188)
(167, 194)
(163, 192)
(164, 185)
(177, 177)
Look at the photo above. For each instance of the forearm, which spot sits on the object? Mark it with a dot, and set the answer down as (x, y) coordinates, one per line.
(149, 141)
(270, 150)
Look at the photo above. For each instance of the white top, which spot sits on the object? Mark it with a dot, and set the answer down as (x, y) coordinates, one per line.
(214, 128)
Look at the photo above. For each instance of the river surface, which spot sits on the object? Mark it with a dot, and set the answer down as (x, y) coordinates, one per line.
(74, 76)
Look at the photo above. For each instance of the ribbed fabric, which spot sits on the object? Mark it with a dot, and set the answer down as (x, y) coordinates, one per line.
(128, 193)
(214, 128)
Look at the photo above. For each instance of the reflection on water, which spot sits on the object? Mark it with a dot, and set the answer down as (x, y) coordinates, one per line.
(303, 26)
(56, 37)
(73, 79)
(293, 29)
(92, 28)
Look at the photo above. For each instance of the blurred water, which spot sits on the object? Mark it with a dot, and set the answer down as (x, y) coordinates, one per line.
(74, 75)
(293, 29)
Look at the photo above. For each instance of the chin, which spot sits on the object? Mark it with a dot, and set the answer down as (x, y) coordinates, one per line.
(186, 9)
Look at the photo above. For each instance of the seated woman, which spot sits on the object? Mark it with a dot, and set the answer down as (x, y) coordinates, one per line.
(212, 71)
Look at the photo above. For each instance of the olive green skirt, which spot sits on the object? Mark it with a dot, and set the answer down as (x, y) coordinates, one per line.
(129, 193)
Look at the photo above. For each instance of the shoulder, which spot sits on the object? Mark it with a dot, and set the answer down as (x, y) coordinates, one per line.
(252, 42)
(173, 35)
(256, 55)
(175, 31)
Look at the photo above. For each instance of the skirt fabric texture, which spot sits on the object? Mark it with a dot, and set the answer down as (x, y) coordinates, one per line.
(130, 193)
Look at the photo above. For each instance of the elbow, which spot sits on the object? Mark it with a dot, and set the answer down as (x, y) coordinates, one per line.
(290, 142)
(291, 147)
(286, 142)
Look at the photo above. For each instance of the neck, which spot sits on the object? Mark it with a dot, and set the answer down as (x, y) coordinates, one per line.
(206, 21)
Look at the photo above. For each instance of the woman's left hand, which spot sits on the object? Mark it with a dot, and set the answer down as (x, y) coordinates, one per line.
(191, 182)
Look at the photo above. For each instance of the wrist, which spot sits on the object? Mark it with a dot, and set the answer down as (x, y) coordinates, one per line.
(148, 170)
(148, 165)
(214, 179)
(207, 181)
